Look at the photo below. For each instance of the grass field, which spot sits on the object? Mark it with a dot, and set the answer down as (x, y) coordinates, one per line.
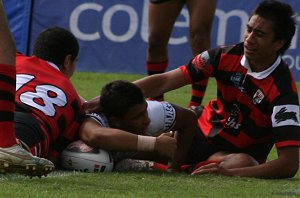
(143, 184)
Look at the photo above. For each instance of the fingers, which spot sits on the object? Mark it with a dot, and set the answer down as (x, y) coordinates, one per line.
(90, 107)
(206, 169)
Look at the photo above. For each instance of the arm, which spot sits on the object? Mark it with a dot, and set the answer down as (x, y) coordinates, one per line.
(151, 85)
(186, 125)
(107, 138)
(158, 84)
(285, 166)
(7, 43)
(82, 99)
(115, 139)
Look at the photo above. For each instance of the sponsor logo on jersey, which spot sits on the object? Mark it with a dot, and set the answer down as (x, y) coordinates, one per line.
(234, 120)
(237, 80)
(170, 115)
(258, 97)
(201, 60)
(284, 115)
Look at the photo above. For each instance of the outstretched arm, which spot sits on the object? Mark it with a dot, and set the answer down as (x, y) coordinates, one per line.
(285, 166)
(185, 127)
(151, 85)
(161, 83)
(118, 140)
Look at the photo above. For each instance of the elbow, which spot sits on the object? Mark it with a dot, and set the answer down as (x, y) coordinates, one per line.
(90, 138)
(98, 140)
(289, 171)
(292, 170)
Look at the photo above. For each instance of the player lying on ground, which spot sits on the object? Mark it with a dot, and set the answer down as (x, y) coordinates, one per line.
(257, 104)
(130, 127)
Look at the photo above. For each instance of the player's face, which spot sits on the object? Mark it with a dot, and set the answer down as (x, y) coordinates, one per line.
(259, 46)
(136, 120)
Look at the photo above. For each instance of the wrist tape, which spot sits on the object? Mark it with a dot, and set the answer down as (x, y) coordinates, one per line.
(146, 143)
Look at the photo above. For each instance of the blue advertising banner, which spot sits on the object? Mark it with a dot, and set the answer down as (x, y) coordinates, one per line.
(113, 33)
(19, 15)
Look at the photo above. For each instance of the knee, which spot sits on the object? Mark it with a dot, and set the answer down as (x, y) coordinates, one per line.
(156, 40)
(199, 40)
(200, 33)
(238, 160)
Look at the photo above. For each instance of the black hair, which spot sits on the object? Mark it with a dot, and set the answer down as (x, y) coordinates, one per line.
(283, 18)
(54, 44)
(118, 97)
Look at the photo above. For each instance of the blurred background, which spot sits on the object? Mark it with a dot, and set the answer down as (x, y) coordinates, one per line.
(113, 33)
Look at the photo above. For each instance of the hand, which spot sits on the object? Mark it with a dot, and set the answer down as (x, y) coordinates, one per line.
(212, 168)
(92, 105)
(166, 145)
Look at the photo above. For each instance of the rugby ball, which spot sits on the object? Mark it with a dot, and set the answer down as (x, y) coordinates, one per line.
(79, 156)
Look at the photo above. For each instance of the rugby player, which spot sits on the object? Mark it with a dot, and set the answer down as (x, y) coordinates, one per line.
(257, 104)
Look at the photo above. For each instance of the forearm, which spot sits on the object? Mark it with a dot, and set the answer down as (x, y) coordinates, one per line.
(112, 139)
(116, 139)
(161, 83)
(272, 169)
(186, 126)
(151, 85)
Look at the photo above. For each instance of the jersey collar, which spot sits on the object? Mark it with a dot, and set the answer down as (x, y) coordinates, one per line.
(260, 75)
(53, 65)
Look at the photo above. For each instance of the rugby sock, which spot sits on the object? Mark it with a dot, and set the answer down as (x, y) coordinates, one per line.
(7, 105)
(157, 68)
(198, 90)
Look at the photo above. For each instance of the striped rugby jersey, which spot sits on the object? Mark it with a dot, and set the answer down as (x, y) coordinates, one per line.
(51, 98)
(253, 110)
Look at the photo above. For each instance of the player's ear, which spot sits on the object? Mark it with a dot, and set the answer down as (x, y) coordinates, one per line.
(68, 61)
(279, 44)
(68, 65)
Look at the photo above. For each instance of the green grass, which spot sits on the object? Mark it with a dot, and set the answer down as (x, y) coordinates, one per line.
(90, 84)
(143, 184)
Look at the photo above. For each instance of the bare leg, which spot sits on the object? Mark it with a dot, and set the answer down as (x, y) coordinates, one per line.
(13, 158)
(201, 20)
(162, 17)
(233, 160)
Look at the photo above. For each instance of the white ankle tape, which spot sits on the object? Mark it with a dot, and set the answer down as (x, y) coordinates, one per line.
(146, 143)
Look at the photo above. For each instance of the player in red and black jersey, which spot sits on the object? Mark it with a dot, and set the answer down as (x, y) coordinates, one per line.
(257, 101)
(13, 158)
(48, 108)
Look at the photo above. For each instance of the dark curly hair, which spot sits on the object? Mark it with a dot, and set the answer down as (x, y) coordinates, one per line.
(282, 17)
(54, 44)
(119, 96)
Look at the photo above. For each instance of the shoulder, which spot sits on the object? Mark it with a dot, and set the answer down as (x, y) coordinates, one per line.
(99, 118)
(162, 116)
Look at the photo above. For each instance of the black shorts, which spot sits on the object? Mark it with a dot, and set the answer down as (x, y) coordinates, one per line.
(28, 129)
(200, 149)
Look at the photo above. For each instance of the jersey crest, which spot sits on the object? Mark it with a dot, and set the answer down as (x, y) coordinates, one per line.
(258, 97)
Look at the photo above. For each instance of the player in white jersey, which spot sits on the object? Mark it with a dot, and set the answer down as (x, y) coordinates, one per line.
(130, 127)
